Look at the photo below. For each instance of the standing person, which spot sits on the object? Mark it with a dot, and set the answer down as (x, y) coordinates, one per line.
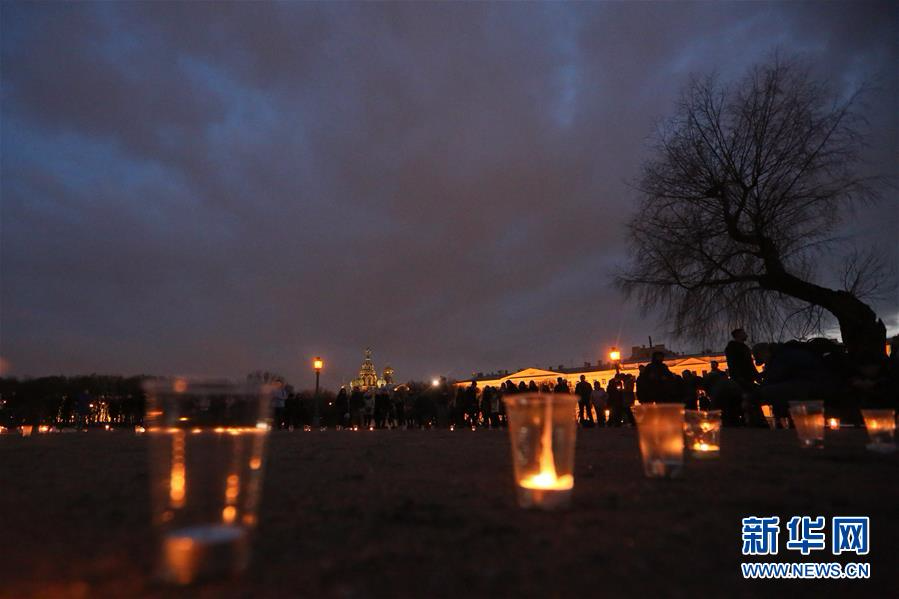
(532, 387)
(342, 406)
(742, 371)
(484, 405)
(292, 410)
(615, 391)
(471, 404)
(279, 402)
(583, 390)
(629, 396)
(368, 399)
(740, 365)
(561, 386)
(409, 401)
(712, 379)
(690, 387)
(357, 407)
(399, 406)
(657, 384)
(599, 399)
(442, 403)
(382, 406)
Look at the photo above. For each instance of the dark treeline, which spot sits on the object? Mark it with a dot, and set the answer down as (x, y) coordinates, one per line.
(72, 401)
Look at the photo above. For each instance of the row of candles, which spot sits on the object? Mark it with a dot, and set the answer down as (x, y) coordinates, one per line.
(542, 437)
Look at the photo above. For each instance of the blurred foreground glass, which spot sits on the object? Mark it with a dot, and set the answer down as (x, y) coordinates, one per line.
(881, 425)
(808, 418)
(542, 429)
(660, 428)
(207, 450)
(703, 432)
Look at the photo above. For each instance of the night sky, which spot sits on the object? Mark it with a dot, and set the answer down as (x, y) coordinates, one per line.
(217, 188)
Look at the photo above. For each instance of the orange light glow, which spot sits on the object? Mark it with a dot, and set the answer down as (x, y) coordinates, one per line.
(179, 386)
(703, 446)
(547, 479)
(833, 424)
(232, 488)
(255, 464)
(614, 355)
(318, 364)
(178, 475)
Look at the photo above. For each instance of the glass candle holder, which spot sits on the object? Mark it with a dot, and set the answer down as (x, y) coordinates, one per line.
(702, 430)
(542, 432)
(207, 450)
(808, 417)
(768, 413)
(833, 424)
(660, 428)
(881, 426)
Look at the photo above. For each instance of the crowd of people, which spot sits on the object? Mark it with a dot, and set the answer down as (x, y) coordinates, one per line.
(766, 374)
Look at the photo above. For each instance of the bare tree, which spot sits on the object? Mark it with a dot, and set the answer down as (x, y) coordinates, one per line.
(745, 189)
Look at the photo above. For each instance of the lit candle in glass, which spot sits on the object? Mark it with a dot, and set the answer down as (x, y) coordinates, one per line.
(542, 433)
(833, 424)
(207, 447)
(703, 432)
(808, 418)
(660, 428)
(768, 413)
(881, 425)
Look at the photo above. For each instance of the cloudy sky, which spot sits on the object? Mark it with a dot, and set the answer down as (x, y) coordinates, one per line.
(216, 188)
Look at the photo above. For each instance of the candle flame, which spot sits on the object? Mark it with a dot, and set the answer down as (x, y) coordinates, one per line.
(547, 478)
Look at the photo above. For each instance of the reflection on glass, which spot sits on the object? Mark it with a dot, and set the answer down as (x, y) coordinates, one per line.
(207, 452)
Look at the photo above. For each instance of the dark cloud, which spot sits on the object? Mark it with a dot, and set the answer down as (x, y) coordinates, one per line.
(193, 187)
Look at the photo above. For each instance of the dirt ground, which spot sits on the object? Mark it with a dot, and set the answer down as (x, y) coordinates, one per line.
(433, 514)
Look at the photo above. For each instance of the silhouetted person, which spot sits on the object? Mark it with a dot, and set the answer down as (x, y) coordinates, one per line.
(342, 406)
(532, 387)
(561, 386)
(657, 384)
(382, 406)
(600, 400)
(740, 366)
(357, 407)
(583, 390)
(792, 372)
(615, 392)
(522, 387)
(690, 389)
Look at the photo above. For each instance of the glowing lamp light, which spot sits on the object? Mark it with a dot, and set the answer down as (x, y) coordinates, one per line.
(435, 382)
(614, 355)
(833, 424)
(318, 364)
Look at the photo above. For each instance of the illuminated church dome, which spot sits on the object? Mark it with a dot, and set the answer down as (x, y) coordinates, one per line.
(368, 375)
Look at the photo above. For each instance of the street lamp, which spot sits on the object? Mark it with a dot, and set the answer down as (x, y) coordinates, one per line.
(317, 365)
(615, 356)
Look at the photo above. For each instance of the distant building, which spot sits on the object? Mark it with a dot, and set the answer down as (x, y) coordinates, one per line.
(368, 375)
(697, 363)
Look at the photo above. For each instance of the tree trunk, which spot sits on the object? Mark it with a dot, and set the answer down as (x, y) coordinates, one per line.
(864, 335)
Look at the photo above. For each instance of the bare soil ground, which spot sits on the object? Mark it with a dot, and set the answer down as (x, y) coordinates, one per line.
(433, 514)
